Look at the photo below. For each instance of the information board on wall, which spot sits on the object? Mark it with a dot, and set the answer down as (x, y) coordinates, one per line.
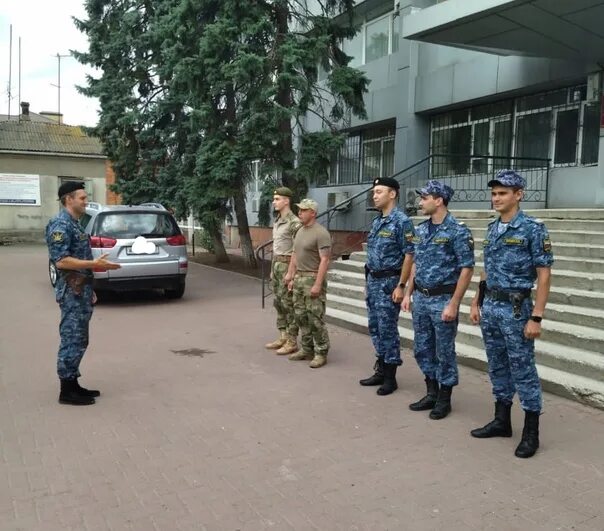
(19, 189)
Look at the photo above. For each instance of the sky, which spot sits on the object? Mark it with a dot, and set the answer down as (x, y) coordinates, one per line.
(46, 28)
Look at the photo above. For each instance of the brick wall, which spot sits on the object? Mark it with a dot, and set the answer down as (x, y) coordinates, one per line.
(111, 197)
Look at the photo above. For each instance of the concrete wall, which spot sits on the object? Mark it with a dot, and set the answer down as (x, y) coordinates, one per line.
(451, 76)
(28, 222)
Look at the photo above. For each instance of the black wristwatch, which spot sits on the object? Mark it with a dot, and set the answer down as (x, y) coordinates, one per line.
(536, 318)
(402, 285)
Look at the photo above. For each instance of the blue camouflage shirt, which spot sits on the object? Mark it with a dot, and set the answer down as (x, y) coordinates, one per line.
(440, 256)
(389, 240)
(65, 237)
(511, 258)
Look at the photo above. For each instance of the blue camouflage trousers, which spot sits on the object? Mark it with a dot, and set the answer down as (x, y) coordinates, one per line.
(434, 339)
(76, 311)
(383, 314)
(511, 356)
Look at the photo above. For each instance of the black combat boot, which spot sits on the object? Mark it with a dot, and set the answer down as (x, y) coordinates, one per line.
(389, 385)
(428, 401)
(443, 403)
(86, 392)
(530, 435)
(500, 426)
(378, 377)
(70, 395)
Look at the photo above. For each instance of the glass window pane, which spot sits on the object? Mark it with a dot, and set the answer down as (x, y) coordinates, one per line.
(533, 134)
(372, 154)
(396, 32)
(566, 137)
(349, 161)
(354, 48)
(481, 139)
(376, 40)
(131, 225)
(492, 110)
(543, 100)
(502, 144)
(591, 134)
(388, 157)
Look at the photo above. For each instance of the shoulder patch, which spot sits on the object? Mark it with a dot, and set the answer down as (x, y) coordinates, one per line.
(57, 236)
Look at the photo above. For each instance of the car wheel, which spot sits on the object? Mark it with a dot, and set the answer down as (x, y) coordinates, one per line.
(53, 274)
(176, 293)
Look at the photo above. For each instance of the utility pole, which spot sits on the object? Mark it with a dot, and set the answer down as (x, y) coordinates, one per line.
(58, 85)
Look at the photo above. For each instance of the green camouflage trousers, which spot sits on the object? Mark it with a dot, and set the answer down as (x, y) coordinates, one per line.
(309, 316)
(283, 301)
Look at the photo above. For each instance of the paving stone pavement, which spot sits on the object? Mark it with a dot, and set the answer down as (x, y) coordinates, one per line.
(232, 437)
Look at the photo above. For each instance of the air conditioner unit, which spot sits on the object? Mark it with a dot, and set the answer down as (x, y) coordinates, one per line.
(369, 205)
(339, 199)
(410, 201)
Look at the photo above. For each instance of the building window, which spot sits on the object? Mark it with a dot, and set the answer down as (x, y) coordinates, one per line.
(365, 155)
(377, 38)
(559, 125)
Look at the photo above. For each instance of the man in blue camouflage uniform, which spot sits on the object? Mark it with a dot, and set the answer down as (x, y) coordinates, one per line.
(69, 249)
(389, 261)
(441, 273)
(517, 251)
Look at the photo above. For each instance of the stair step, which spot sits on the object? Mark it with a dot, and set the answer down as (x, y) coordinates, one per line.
(574, 315)
(562, 280)
(566, 371)
(564, 334)
(577, 237)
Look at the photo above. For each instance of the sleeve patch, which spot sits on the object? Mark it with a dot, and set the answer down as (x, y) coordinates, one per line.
(547, 245)
(57, 237)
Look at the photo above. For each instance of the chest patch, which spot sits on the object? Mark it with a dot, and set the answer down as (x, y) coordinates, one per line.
(83, 236)
(385, 233)
(442, 240)
(514, 241)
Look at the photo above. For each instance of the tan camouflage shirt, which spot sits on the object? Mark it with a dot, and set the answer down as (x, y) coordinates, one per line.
(284, 231)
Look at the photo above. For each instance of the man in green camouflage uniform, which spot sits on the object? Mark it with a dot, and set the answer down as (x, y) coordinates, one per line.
(306, 278)
(284, 229)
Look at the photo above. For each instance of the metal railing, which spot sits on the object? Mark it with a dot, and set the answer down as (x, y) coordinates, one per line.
(350, 220)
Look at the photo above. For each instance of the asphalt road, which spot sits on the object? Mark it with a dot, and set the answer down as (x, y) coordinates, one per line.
(199, 427)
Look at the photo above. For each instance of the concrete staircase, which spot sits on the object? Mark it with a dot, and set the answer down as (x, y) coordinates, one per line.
(570, 354)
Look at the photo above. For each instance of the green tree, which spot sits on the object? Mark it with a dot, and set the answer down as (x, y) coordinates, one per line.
(191, 91)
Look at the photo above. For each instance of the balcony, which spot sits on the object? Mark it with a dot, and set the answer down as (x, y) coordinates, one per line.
(565, 29)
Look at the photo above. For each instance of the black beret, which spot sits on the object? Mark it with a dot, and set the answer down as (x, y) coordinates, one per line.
(70, 186)
(387, 181)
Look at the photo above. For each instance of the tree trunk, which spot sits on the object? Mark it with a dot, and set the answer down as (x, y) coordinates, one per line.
(247, 247)
(285, 99)
(219, 250)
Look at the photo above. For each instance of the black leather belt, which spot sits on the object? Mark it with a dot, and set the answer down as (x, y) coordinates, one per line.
(383, 274)
(508, 296)
(438, 290)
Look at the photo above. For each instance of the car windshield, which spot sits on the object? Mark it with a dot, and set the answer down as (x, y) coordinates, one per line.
(133, 224)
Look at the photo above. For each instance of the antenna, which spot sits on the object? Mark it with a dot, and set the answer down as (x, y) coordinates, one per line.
(10, 68)
(19, 102)
(58, 85)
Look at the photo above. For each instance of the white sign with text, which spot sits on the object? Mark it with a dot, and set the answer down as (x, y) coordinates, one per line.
(19, 189)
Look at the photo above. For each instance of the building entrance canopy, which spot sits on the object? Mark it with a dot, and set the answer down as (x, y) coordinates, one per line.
(567, 29)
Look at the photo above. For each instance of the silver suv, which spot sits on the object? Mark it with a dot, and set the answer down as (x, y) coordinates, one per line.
(145, 240)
